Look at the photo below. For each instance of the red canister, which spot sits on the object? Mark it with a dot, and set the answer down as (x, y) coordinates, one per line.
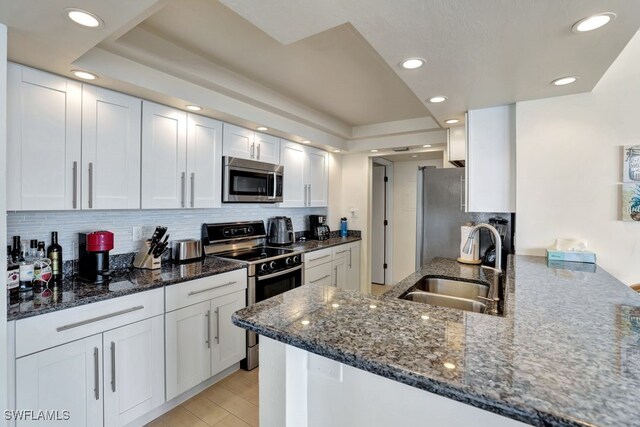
(99, 241)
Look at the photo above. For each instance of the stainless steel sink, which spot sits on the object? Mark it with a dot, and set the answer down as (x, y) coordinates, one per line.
(453, 288)
(446, 301)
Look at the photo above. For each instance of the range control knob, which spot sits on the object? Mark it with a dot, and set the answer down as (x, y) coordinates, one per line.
(296, 258)
(264, 268)
(288, 261)
(272, 265)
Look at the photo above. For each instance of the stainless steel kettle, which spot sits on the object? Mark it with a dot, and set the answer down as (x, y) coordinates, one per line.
(281, 231)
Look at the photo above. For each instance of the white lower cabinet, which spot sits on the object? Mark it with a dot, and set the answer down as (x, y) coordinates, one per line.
(353, 271)
(339, 268)
(201, 340)
(319, 275)
(336, 266)
(64, 378)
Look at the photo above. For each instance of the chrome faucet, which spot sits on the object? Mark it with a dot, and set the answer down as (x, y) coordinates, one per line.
(497, 271)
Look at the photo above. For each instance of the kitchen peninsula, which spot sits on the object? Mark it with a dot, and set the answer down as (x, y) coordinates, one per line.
(562, 354)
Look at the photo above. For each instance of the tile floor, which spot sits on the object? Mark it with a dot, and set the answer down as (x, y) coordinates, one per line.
(232, 402)
(379, 289)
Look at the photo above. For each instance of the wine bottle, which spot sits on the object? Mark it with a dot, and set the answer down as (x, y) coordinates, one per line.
(15, 252)
(54, 253)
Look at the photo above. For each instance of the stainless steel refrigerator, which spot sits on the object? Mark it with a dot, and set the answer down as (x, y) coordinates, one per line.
(441, 213)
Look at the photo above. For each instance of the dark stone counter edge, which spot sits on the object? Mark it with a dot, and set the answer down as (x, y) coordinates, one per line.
(334, 241)
(116, 294)
(525, 415)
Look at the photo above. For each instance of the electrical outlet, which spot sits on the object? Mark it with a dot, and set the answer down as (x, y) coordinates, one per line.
(355, 213)
(136, 233)
(147, 231)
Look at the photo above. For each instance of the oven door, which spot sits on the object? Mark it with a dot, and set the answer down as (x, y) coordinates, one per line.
(247, 181)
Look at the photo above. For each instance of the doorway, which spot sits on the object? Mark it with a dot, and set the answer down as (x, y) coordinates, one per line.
(380, 222)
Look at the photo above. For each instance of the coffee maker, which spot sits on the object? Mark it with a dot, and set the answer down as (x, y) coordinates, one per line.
(319, 228)
(93, 256)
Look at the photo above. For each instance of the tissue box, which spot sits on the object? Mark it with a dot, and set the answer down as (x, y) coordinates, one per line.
(574, 256)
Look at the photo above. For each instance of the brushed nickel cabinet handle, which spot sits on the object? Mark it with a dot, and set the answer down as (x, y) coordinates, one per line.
(96, 373)
(182, 184)
(99, 318)
(113, 366)
(211, 288)
(193, 191)
(322, 278)
(217, 325)
(258, 151)
(90, 185)
(75, 185)
(208, 317)
(320, 257)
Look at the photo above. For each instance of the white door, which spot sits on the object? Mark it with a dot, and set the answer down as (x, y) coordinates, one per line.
(229, 341)
(164, 156)
(317, 172)
(110, 149)
(378, 228)
(339, 272)
(68, 377)
(43, 140)
(292, 157)
(353, 279)
(319, 275)
(204, 162)
(267, 148)
(238, 142)
(133, 370)
(188, 347)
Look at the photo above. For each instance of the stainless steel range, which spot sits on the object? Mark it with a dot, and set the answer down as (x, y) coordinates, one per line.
(272, 271)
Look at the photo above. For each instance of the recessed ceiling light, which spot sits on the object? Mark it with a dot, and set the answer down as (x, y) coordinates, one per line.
(437, 99)
(449, 365)
(426, 146)
(564, 80)
(412, 63)
(84, 18)
(593, 22)
(262, 128)
(194, 107)
(451, 121)
(374, 151)
(336, 151)
(84, 75)
(306, 141)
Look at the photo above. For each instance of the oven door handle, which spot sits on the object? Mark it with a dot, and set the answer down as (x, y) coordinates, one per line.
(279, 273)
(275, 181)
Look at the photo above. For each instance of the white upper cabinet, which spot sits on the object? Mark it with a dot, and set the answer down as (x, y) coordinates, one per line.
(204, 161)
(250, 145)
(292, 157)
(164, 157)
(43, 140)
(317, 177)
(267, 148)
(457, 145)
(306, 175)
(110, 149)
(490, 166)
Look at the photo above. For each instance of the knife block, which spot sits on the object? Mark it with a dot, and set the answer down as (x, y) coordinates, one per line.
(148, 262)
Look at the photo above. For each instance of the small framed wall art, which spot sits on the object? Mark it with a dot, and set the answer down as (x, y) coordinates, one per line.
(631, 164)
(631, 202)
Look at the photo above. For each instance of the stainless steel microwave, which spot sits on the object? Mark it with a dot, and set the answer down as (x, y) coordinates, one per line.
(250, 181)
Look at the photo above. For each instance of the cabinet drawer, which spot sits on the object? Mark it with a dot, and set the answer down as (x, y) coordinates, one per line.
(49, 330)
(319, 275)
(206, 288)
(312, 259)
(340, 251)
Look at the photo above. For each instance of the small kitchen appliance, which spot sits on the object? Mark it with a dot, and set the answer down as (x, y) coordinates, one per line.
(281, 231)
(93, 256)
(270, 271)
(250, 181)
(319, 228)
(188, 250)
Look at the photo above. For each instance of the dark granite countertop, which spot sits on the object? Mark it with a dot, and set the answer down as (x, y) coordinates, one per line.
(74, 292)
(316, 245)
(566, 353)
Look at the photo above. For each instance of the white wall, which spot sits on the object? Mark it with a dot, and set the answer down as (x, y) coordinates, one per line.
(3, 218)
(356, 194)
(404, 215)
(334, 211)
(569, 168)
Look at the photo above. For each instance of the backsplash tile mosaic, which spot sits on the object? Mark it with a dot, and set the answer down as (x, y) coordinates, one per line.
(182, 224)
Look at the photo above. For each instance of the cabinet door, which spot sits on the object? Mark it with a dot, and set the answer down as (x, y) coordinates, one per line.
(319, 275)
(188, 347)
(133, 370)
(68, 377)
(317, 172)
(43, 140)
(204, 162)
(293, 159)
(229, 341)
(110, 149)
(164, 156)
(457, 144)
(238, 142)
(267, 148)
(339, 272)
(353, 279)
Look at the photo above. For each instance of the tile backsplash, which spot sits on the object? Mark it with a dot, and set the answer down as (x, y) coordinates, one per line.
(182, 224)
